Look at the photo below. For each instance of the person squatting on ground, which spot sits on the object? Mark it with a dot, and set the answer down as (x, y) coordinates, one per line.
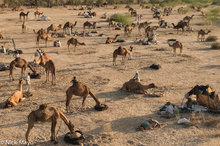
(136, 76)
(28, 83)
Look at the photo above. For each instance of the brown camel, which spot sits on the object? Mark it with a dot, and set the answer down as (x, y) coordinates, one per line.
(88, 24)
(24, 27)
(111, 40)
(49, 66)
(188, 18)
(48, 114)
(43, 36)
(16, 97)
(150, 29)
(143, 25)
(69, 25)
(74, 42)
(120, 51)
(202, 33)
(1, 35)
(134, 86)
(112, 23)
(22, 14)
(40, 31)
(175, 45)
(52, 27)
(79, 89)
(181, 25)
(20, 63)
(128, 29)
(37, 13)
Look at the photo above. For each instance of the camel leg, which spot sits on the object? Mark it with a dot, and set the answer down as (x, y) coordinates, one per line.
(12, 103)
(53, 129)
(69, 48)
(75, 48)
(114, 60)
(68, 98)
(83, 102)
(46, 75)
(30, 126)
(46, 43)
(181, 50)
(174, 51)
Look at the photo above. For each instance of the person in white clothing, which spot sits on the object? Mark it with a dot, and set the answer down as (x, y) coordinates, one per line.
(28, 82)
(136, 76)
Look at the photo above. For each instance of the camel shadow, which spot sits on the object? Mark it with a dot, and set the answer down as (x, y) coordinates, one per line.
(113, 95)
(13, 124)
(211, 67)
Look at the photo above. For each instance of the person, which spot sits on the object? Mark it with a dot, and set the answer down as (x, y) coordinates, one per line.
(28, 82)
(3, 50)
(74, 81)
(136, 76)
(16, 55)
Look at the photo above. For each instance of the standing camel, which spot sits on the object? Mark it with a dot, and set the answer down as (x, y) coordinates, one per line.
(74, 42)
(22, 14)
(48, 114)
(69, 25)
(16, 97)
(43, 36)
(20, 63)
(121, 51)
(49, 66)
(175, 45)
(202, 33)
(79, 89)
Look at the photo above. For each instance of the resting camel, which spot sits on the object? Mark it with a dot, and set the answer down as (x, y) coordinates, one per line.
(22, 14)
(158, 16)
(88, 24)
(20, 63)
(187, 18)
(134, 85)
(74, 42)
(43, 36)
(79, 89)
(37, 13)
(48, 114)
(48, 64)
(121, 51)
(175, 45)
(111, 40)
(16, 97)
(112, 23)
(143, 25)
(202, 33)
(52, 27)
(24, 27)
(69, 25)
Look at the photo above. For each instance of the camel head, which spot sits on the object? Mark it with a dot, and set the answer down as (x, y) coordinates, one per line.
(117, 35)
(192, 16)
(75, 23)
(209, 31)
(131, 48)
(173, 25)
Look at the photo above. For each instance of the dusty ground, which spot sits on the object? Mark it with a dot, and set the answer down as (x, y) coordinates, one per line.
(92, 65)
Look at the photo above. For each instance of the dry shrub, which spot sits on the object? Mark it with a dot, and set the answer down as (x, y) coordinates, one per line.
(211, 39)
(215, 46)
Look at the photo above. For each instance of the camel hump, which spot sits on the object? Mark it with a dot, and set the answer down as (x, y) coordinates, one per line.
(43, 106)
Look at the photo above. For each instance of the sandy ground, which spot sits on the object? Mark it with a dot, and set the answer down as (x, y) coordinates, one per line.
(92, 65)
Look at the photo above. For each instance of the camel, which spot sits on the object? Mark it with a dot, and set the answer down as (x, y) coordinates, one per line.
(37, 13)
(22, 14)
(133, 85)
(69, 25)
(187, 18)
(150, 29)
(112, 23)
(202, 33)
(40, 31)
(24, 27)
(74, 42)
(111, 40)
(17, 8)
(203, 13)
(60, 26)
(88, 24)
(143, 25)
(128, 29)
(79, 89)
(181, 25)
(175, 45)
(49, 66)
(16, 97)
(20, 63)
(48, 114)
(52, 27)
(121, 51)
(158, 16)
(1, 35)
(43, 36)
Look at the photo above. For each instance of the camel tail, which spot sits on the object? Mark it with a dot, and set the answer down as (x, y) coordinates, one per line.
(31, 68)
(94, 97)
(67, 122)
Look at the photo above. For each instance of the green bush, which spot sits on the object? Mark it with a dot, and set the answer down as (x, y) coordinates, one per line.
(215, 46)
(211, 38)
(125, 19)
(212, 16)
(184, 10)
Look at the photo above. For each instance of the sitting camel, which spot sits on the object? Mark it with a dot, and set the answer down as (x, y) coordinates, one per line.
(175, 45)
(111, 40)
(202, 33)
(48, 114)
(128, 29)
(121, 51)
(112, 23)
(69, 25)
(74, 42)
(88, 24)
(79, 89)
(16, 97)
(20, 63)
(133, 85)
(22, 14)
(48, 64)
